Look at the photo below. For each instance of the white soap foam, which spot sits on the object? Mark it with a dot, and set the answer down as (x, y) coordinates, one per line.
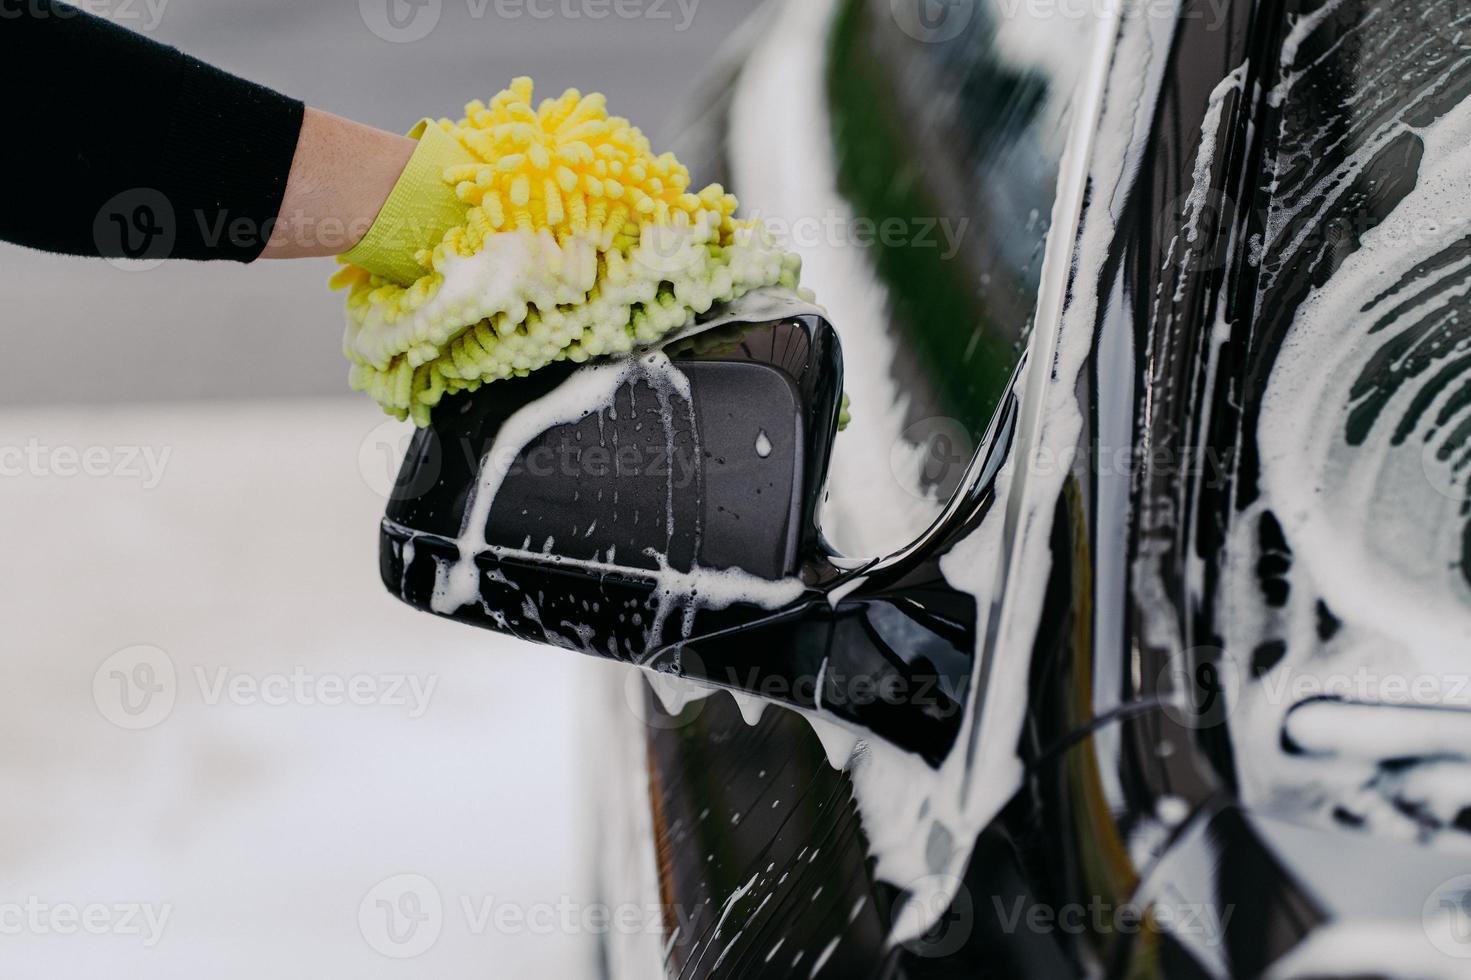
(1367, 526)
(586, 391)
(591, 390)
(1303, 26)
(906, 805)
(511, 270)
(1379, 731)
(1371, 948)
(751, 708)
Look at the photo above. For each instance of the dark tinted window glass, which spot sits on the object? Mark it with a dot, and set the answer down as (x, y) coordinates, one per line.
(951, 119)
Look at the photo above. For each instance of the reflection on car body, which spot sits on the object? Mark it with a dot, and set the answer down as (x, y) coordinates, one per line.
(1284, 170)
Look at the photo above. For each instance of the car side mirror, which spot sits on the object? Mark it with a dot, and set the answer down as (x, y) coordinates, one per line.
(662, 510)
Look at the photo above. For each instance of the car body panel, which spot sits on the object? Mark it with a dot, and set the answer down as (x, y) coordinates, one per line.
(1116, 751)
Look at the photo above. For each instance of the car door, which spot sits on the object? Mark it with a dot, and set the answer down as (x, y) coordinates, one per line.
(916, 167)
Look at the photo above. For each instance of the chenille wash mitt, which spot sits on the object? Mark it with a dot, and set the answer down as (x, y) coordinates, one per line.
(576, 242)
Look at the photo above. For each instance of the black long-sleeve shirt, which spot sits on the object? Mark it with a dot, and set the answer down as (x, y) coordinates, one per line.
(122, 147)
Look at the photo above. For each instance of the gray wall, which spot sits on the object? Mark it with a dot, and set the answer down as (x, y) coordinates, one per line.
(86, 331)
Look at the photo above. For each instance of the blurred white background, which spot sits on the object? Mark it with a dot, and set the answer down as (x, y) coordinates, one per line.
(190, 499)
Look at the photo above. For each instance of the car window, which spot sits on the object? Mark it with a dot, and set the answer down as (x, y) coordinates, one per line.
(949, 123)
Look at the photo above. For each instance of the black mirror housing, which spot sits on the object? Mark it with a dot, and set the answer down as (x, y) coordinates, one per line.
(729, 477)
(676, 528)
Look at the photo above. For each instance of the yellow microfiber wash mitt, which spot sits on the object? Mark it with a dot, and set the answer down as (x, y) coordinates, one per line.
(577, 242)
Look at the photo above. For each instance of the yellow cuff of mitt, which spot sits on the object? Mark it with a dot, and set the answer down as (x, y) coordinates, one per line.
(422, 207)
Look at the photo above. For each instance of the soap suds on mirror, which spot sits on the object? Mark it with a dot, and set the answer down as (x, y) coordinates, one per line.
(591, 390)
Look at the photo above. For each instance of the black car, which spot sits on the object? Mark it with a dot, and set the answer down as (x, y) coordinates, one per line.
(1120, 633)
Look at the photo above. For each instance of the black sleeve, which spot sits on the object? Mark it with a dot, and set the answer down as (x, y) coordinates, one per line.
(116, 145)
